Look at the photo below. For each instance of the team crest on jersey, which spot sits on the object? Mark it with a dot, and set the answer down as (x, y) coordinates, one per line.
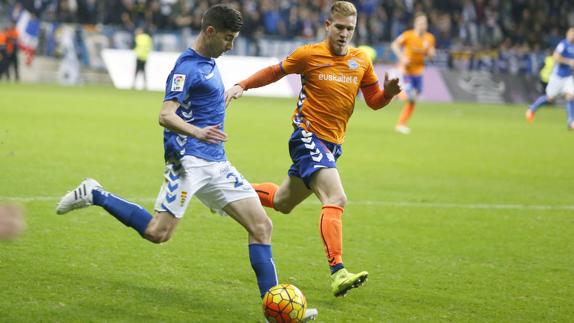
(183, 198)
(178, 82)
(353, 64)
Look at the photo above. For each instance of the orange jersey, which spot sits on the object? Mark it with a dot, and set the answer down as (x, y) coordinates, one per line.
(3, 39)
(330, 86)
(12, 40)
(416, 49)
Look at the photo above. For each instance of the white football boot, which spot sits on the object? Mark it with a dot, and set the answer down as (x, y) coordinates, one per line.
(80, 197)
(403, 129)
(310, 315)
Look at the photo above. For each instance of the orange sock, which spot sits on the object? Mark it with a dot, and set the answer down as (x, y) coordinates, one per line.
(332, 233)
(266, 192)
(406, 113)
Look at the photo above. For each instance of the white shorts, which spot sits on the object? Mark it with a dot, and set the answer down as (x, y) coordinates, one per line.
(560, 85)
(215, 184)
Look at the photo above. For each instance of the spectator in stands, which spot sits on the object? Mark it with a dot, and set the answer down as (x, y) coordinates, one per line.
(181, 15)
(467, 24)
(115, 13)
(66, 11)
(252, 30)
(88, 11)
(138, 13)
(270, 17)
(158, 15)
(307, 24)
(197, 13)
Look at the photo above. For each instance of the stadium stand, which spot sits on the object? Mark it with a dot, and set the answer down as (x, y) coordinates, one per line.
(489, 35)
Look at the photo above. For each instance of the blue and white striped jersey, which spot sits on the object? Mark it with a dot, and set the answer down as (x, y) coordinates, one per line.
(565, 49)
(196, 84)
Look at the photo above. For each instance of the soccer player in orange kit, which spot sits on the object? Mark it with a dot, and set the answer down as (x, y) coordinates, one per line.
(411, 49)
(332, 72)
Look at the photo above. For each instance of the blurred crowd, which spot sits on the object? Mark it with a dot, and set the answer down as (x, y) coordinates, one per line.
(469, 21)
(482, 29)
(539, 24)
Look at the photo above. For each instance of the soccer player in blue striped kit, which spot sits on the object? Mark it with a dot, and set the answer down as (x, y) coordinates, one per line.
(561, 80)
(196, 165)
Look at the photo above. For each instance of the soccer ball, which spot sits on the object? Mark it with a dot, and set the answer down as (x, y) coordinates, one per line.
(284, 303)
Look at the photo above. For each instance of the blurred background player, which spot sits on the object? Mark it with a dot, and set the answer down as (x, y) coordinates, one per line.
(370, 51)
(12, 222)
(412, 47)
(332, 73)
(196, 163)
(546, 71)
(561, 80)
(3, 55)
(142, 47)
(12, 51)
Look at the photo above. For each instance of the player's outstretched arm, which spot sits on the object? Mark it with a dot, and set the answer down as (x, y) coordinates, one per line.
(170, 120)
(234, 92)
(376, 97)
(431, 53)
(261, 78)
(396, 48)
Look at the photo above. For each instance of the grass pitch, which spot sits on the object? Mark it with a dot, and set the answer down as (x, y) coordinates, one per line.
(469, 218)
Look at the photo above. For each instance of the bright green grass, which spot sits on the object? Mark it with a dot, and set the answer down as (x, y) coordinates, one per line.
(467, 219)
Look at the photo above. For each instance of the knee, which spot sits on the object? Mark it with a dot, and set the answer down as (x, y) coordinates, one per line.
(157, 236)
(261, 230)
(283, 207)
(337, 199)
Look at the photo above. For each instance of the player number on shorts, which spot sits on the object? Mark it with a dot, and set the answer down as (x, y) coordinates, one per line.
(238, 179)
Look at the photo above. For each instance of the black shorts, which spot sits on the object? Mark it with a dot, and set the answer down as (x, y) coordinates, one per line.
(140, 65)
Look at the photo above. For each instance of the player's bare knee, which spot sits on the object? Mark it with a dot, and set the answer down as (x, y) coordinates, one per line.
(153, 238)
(157, 236)
(338, 199)
(261, 231)
(158, 239)
(284, 207)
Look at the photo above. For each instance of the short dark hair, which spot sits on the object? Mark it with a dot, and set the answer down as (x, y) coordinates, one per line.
(222, 18)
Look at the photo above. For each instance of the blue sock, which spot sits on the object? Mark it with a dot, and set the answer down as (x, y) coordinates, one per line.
(130, 214)
(337, 267)
(570, 112)
(538, 103)
(263, 265)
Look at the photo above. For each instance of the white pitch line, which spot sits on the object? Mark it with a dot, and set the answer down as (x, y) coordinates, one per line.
(468, 206)
(429, 205)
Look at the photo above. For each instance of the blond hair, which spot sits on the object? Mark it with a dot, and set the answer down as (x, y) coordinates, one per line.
(343, 8)
(420, 14)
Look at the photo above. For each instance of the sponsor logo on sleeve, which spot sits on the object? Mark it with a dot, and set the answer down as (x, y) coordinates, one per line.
(177, 82)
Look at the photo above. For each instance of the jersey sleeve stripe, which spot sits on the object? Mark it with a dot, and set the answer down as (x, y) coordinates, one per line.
(281, 67)
(370, 84)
